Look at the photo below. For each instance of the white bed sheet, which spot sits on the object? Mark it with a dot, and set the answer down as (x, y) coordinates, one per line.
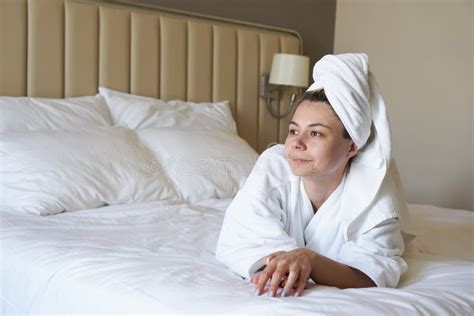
(159, 258)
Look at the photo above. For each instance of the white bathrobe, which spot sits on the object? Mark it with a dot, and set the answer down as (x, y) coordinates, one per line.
(272, 212)
(362, 224)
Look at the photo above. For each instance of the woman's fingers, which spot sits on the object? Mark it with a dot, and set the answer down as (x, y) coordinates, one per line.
(275, 282)
(301, 284)
(290, 283)
(263, 278)
(283, 280)
(254, 279)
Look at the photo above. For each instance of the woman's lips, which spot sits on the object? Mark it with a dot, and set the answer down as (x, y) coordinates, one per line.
(298, 160)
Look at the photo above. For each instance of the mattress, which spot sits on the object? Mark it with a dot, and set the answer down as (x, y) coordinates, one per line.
(159, 258)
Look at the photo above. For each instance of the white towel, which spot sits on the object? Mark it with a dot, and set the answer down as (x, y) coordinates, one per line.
(373, 183)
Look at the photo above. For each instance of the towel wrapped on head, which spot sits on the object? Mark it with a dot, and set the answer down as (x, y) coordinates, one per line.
(373, 180)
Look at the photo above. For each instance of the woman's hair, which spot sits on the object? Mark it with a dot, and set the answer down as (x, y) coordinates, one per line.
(319, 96)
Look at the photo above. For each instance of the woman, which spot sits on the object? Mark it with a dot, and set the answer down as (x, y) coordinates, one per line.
(328, 205)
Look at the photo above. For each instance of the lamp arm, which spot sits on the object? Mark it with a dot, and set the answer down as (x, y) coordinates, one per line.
(288, 110)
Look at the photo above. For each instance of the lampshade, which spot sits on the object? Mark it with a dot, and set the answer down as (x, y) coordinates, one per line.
(289, 70)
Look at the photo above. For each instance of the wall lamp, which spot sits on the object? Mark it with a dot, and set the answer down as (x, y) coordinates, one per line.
(287, 70)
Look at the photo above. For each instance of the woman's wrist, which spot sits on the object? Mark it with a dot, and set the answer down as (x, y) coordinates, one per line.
(314, 258)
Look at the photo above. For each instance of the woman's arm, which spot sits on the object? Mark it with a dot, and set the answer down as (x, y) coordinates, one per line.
(298, 265)
(376, 253)
(326, 271)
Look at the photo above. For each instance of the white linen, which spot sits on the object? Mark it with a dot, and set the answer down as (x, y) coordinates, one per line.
(47, 172)
(158, 257)
(353, 93)
(135, 112)
(437, 229)
(202, 164)
(272, 212)
(20, 114)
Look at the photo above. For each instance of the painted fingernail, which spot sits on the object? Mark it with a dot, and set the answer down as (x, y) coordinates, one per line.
(257, 292)
(298, 293)
(271, 293)
(283, 293)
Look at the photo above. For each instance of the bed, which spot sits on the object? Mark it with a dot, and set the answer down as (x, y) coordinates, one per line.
(142, 222)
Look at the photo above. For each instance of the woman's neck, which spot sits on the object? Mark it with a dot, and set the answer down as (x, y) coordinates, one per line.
(319, 188)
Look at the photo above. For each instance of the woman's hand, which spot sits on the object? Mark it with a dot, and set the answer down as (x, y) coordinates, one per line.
(293, 268)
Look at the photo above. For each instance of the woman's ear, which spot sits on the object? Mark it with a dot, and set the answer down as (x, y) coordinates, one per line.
(352, 150)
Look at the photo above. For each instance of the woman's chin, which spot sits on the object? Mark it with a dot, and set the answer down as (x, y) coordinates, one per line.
(300, 170)
(298, 173)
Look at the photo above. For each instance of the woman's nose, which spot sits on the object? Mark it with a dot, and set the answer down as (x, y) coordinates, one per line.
(298, 143)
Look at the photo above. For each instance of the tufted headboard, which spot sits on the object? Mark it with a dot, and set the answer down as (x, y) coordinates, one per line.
(65, 48)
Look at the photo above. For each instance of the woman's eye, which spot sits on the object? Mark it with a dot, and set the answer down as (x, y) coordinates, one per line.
(293, 132)
(316, 134)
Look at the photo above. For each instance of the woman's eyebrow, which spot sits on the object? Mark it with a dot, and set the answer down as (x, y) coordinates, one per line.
(318, 124)
(311, 125)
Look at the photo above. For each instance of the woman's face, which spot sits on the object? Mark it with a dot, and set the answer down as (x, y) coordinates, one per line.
(315, 145)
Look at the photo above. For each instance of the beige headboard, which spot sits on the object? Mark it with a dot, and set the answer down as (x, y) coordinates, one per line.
(64, 48)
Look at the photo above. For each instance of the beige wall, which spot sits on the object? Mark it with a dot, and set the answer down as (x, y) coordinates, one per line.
(421, 53)
(313, 19)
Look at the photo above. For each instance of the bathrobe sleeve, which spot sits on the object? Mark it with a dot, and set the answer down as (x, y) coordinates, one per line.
(254, 222)
(377, 253)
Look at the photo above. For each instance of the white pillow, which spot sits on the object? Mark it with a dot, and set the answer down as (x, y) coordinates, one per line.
(134, 112)
(47, 172)
(19, 114)
(202, 164)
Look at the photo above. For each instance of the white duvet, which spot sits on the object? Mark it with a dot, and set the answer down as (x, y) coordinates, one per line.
(159, 257)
